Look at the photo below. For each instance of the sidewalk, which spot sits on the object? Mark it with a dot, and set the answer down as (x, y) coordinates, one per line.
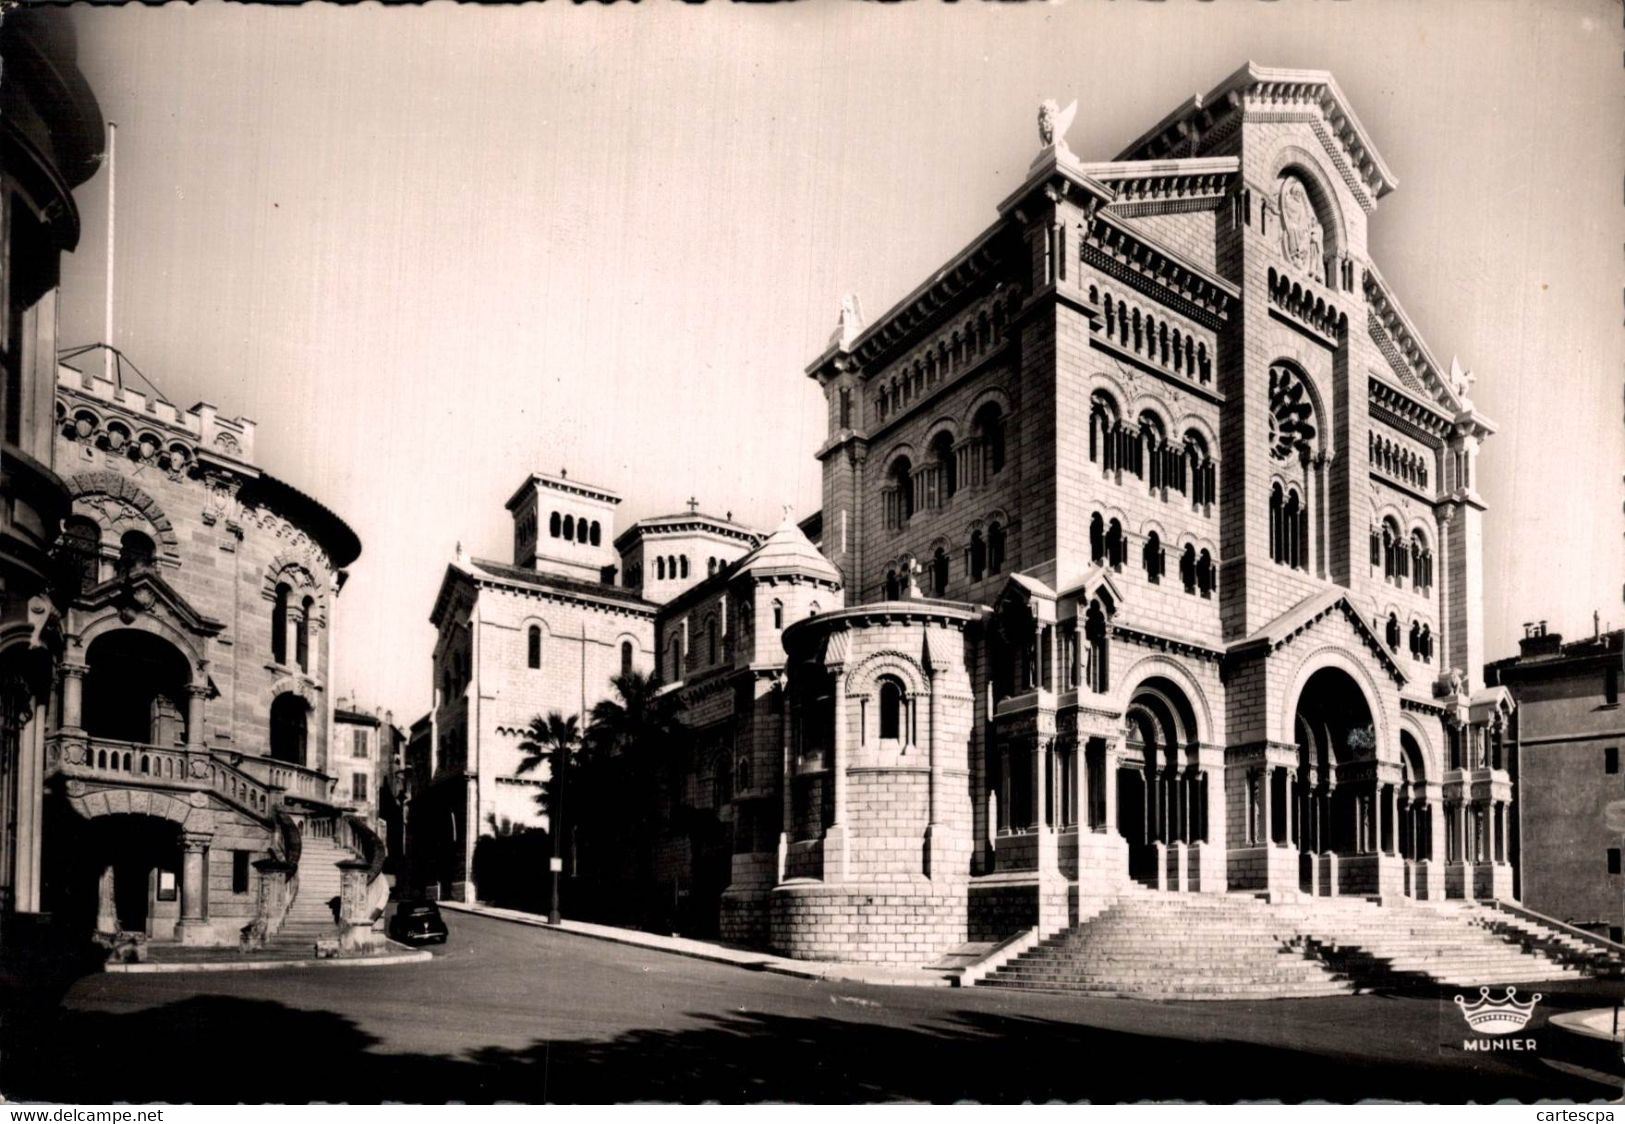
(751, 959)
(178, 958)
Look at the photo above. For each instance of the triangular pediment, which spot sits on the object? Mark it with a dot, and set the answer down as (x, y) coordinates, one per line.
(145, 591)
(1304, 617)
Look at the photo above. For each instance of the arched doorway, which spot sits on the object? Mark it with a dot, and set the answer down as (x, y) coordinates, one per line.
(1332, 808)
(290, 729)
(1161, 791)
(1415, 817)
(136, 688)
(113, 873)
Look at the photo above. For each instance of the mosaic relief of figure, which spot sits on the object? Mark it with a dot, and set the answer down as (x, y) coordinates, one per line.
(1302, 240)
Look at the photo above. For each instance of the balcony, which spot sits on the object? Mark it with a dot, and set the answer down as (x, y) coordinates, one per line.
(256, 785)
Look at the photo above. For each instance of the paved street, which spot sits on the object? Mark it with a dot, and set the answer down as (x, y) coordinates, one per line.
(516, 1013)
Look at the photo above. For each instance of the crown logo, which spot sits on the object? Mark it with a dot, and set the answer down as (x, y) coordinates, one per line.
(1497, 1015)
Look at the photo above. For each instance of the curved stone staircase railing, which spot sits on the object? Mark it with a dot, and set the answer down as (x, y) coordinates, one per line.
(279, 881)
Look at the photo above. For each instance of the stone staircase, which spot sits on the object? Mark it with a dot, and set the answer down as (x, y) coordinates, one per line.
(1237, 946)
(312, 915)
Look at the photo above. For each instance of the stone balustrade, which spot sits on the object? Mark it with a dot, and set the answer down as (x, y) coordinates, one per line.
(107, 759)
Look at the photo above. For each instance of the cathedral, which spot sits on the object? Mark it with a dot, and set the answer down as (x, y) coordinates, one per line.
(1102, 594)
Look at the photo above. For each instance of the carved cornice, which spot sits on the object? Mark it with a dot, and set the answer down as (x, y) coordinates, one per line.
(1167, 643)
(1121, 252)
(1271, 94)
(1405, 412)
(924, 308)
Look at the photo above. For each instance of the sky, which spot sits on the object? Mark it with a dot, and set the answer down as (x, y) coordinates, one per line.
(432, 249)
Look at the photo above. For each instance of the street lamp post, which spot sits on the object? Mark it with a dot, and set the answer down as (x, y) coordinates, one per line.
(555, 828)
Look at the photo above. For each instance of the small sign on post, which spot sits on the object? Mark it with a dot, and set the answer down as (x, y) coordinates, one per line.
(555, 865)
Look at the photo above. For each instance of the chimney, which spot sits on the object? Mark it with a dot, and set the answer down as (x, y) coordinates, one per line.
(1537, 642)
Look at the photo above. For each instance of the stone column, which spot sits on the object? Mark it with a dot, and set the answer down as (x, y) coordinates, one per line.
(195, 695)
(73, 694)
(106, 910)
(1108, 760)
(1393, 819)
(193, 925)
(30, 801)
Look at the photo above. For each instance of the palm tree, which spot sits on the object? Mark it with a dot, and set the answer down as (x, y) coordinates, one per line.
(638, 747)
(555, 740)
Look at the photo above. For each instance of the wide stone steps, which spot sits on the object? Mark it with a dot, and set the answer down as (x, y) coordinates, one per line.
(310, 915)
(1171, 946)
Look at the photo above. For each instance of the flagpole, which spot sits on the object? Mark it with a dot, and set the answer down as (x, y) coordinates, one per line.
(112, 204)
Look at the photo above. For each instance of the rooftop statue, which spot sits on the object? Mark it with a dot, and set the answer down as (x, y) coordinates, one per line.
(1053, 123)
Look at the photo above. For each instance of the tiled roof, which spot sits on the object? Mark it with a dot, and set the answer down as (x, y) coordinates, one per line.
(601, 591)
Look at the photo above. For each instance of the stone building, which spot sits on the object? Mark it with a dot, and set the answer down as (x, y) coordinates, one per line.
(1567, 736)
(516, 640)
(366, 756)
(1173, 627)
(1104, 593)
(51, 141)
(187, 739)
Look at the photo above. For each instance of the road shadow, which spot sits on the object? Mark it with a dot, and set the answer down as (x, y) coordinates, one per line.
(209, 1049)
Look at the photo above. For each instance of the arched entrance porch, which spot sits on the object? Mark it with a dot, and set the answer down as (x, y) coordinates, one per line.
(1162, 788)
(1339, 807)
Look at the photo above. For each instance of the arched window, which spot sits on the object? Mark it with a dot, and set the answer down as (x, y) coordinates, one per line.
(675, 667)
(1154, 439)
(1206, 577)
(1097, 538)
(1155, 563)
(682, 565)
(712, 648)
(290, 728)
(626, 655)
(988, 426)
(1421, 563)
(1116, 548)
(1187, 568)
(977, 562)
(570, 527)
(893, 591)
(1199, 465)
(995, 548)
(891, 708)
(596, 536)
(900, 492)
(279, 624)
(1393, 551)
(1427, 643)
(136, 552)
(553, 525)
(812, 609)
(660, 568)
(81, 549)
(1391, 633)
(1416, 640)
(301, 633)
(710, 567)
(939, 573)
(1094, 634)
(1105, 437)
(533, 653)
(944, 461)
(778, 614)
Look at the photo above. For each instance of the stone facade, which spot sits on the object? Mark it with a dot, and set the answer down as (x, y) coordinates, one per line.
(52, 141)
(1565, 754)
(1165, 430)
(193, 708)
